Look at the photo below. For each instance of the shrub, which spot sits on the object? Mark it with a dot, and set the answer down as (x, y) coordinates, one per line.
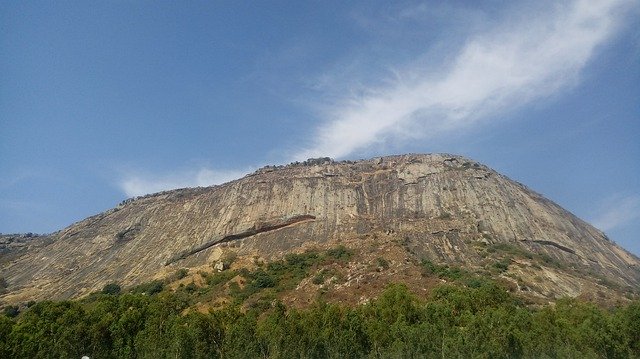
(214, 279)
(319, 277)
(111, 289)
(262, 279)
(150, 288)
(191, 287)
(11, 311)
(442, 271)
(339, 253)
(228, 258)
(502, 266)
(181, 273)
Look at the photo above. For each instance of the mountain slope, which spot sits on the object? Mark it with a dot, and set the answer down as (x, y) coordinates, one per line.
(444, 208)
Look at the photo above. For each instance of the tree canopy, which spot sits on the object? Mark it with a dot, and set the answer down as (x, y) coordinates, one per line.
(484, 321)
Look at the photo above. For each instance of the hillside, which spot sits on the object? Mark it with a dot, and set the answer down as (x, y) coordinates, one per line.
(393, 213)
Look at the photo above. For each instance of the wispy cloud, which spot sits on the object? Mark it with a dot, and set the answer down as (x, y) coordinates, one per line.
(618, 211)
(136, 184)
(502, 68)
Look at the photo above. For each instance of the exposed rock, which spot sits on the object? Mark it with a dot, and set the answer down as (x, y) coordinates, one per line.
(219, 266)
(442, 207)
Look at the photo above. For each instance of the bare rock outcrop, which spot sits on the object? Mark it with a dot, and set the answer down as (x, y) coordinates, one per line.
(442, 207)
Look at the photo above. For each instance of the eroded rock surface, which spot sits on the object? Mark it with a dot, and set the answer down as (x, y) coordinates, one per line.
(442, 207)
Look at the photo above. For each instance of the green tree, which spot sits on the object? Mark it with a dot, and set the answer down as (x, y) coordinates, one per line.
(6, 326)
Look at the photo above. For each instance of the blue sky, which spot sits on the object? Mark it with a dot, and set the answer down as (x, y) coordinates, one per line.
(100, 101)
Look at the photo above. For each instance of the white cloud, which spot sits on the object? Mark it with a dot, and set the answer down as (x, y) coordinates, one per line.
(618, 211)
(508, 66)
(135, 184)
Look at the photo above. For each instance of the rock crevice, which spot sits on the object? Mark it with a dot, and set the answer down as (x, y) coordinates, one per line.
(261, 227)
(436, 204)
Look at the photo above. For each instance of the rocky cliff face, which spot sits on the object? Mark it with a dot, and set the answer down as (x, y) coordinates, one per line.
(442, 207)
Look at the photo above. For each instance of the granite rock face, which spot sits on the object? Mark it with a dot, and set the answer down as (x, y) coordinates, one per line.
(442, 207)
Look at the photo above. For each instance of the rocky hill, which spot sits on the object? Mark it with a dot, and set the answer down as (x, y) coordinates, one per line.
(394, 213)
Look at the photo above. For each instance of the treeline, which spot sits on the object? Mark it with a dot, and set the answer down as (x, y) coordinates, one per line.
(454, 321)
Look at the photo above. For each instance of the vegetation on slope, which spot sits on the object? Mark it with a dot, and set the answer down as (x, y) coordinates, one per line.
(469, 316)
(452, 322)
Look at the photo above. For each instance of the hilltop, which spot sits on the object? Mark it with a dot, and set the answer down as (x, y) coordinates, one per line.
(396, 216)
